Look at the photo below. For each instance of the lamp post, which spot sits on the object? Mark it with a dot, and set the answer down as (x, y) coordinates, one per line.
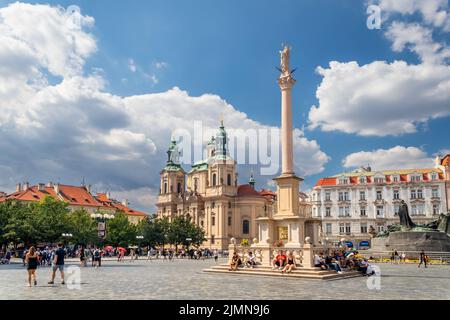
(66, 236)
(101, 222)
(139, 239)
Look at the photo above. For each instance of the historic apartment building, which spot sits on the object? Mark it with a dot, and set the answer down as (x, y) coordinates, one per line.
(76, 197)
(351, 204)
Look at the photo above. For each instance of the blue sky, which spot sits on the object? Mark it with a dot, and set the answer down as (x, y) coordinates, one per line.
(230, 49)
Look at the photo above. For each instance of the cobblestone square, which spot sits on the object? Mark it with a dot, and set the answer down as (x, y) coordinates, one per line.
(184, 279)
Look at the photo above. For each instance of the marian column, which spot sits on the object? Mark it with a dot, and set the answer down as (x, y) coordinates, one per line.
(286, 82)
(288, 183)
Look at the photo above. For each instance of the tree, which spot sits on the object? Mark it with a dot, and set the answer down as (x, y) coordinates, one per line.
(83, 228)
(119, 231)
(181, 229)
(153, 231)
(16, 223)
(50, 219)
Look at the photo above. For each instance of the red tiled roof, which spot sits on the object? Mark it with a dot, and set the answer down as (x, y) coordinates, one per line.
(266, 193)
(77, 196)
(446, 160)
(247, 190)
(103, 198)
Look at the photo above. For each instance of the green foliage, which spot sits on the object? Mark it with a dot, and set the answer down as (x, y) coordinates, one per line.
(47, 220)
(84, 228)
(50, 219)
(119, 231)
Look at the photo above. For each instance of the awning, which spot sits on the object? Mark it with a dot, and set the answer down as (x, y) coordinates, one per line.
(364, 244)
(349, 244)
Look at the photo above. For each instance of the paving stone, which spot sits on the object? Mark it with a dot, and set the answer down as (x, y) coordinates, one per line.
(184, 279)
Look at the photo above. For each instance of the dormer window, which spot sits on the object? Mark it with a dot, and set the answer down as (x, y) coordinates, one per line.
(415, 177)
(395, 178)
(379, 180)
(343, 180)
(433, 176)
(362, 180)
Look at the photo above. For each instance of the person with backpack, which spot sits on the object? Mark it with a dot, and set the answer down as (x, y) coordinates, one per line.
(96, 258)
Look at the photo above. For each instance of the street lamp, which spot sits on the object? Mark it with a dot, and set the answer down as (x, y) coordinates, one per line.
(101, 222)
(66, 236)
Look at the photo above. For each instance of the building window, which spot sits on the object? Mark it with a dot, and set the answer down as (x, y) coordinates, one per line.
(344, 211)
(165, 187)
(327, 196)
(348, 229)
(363, 227)
(380, 211)
(214, 179)
(396, 209)
(413, 194)
(328, 228)
(435, 209)
(363, 212)
(434, 176)
(229, 205)
(343, 196)
(435, 193)
(396, 195)
(229, 221)
(381, 229)
(379, 195)
(341, 228)
(395, 179)
(245, 227)
(213, 221)
(419, 194)
(379, 180)
(229, 179)
(420, 209)
(327, 212)
(413, 210)
(343, 180)
(213, 240)
(213, 205)
(362, 195)
(362, 180)
(415, 178)
(179, 187)
(202, 223)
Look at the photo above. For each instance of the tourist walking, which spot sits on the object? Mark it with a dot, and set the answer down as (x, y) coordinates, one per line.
(96, 258)
(32, 261)
(58, 263)
(423, 259)
(82, 257)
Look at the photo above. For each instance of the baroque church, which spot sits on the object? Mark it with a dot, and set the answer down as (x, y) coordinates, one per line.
(209, 193)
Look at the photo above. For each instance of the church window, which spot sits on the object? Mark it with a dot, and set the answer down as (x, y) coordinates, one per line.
(179, 187)
(165, 187)
(229, 179)
(213, 221)
(229, 221)
(214, 179)
(245, 227)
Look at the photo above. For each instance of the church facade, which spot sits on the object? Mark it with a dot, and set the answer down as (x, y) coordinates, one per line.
(210, 194)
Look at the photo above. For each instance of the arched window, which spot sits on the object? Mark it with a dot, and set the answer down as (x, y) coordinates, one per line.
(179, 187)
(165, 187)
(229, 179)
(214, 179)
(245, 227)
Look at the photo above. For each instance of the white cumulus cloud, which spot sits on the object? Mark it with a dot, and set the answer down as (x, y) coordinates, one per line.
(398, 157)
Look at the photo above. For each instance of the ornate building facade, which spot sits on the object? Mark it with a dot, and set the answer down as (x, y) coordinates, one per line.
(209, 193)
(352, 204)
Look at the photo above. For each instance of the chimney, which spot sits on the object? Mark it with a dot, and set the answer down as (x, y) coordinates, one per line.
(26, 186)
(50, 184)
(108, 195)
(125, 203)
(41, 187)
(18, 187)
(56, 188)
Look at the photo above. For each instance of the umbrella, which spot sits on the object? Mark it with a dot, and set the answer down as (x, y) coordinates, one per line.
(133, 247)
(121, 249)
(108, 248)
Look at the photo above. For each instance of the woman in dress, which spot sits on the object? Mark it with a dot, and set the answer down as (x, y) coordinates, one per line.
(291, 264)
(32, 261)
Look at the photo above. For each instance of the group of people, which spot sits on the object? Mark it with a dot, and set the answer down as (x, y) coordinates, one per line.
(397, 257)
(33, 259)
(248, 261)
